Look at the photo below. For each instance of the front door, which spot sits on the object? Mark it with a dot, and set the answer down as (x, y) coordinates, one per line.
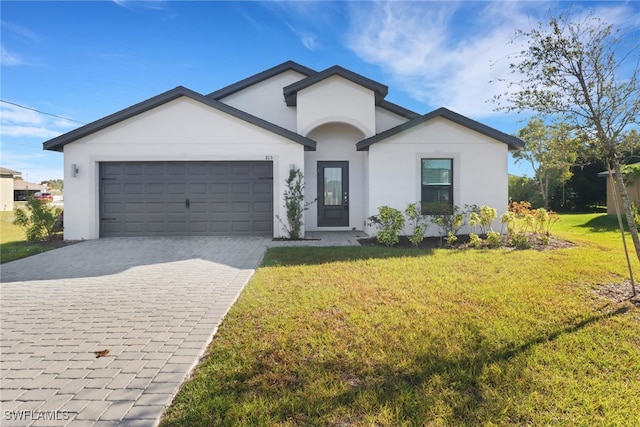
(333, 194)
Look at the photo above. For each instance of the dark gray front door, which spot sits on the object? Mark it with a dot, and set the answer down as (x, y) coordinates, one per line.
(333, 194)
(186, 198)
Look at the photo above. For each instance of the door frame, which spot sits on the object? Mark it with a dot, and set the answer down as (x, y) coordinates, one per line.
(341, 211)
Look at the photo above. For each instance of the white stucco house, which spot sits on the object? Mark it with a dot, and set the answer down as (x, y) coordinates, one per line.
(185, 163)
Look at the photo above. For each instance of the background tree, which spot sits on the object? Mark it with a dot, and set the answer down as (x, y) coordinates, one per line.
(550, 151)
(523, 188)
(584, 74)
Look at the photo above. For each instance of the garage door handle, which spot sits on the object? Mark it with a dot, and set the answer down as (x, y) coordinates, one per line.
(187, 203)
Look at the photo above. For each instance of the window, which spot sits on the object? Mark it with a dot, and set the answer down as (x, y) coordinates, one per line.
(437, 186)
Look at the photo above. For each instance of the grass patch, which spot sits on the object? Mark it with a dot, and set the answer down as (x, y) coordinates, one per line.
(388, 337)
(13, 241)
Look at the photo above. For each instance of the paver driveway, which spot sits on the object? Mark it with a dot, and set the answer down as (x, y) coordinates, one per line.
(153, 303)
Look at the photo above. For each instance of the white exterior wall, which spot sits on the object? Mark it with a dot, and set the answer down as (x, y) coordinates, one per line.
(385, 120)
(6, 193)
(181, 130)
(266, 100)
(480, 163)
(336, 142)
(336, 99)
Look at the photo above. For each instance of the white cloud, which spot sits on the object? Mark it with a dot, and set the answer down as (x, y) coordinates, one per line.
(28, 131)
(23, 33)
(446, 54)
(308, 39)
(8, 58)
(161, 5)
(21, 122)
(437, 60)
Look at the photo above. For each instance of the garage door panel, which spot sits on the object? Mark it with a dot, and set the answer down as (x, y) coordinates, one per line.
(220, 207)
(134, 208)
(154, 227)
(198, 189)
(154, 188)
(186, 198)
(241, 227)
(134, 169)
(240, 188)
(241, 207)
(176, 169)
(262, 207)
(177, 188)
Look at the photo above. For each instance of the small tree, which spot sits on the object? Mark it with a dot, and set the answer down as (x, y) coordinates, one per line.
(294, 204)
(550, 151)
(39, 219)
(581, 72)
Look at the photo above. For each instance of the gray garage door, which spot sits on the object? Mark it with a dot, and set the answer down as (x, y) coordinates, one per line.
(186, 198)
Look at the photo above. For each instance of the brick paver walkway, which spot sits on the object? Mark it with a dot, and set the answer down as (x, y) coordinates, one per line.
(153, 303)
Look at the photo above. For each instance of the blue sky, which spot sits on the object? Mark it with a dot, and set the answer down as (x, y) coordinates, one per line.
(85, 60)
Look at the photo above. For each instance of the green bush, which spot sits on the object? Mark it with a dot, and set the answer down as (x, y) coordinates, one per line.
(412, 212)
(390, 221)
(38, 220)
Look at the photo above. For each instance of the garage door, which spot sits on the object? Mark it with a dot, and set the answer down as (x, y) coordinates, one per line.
(186, 198)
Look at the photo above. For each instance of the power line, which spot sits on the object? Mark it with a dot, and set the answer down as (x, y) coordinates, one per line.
(42, 112)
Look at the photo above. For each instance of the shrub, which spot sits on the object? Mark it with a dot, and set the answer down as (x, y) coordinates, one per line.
(449, 224)
(525, 225)
(294, 204)
(486, 217)
(494, 239)
(390, 221)
(39, 219)
(474, 240)
(413, 215)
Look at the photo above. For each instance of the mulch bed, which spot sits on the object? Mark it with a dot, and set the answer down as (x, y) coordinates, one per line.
(619, 292)
(463, 243)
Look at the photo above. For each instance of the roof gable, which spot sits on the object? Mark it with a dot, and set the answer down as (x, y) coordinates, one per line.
(511, 141)
(260, 77)
(291, 91)
(56, 144)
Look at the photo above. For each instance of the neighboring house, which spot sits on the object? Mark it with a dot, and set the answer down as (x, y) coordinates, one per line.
(6, 188)
(22, 190)
(633, 191)
(183, 163)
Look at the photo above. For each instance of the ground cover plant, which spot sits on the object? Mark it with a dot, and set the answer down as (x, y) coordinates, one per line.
(388, 337)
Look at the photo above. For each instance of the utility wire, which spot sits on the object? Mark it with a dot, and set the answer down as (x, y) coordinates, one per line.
(42, 112)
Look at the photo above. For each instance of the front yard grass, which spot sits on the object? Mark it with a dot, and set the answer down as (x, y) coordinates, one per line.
(388, 337)
(13, 242)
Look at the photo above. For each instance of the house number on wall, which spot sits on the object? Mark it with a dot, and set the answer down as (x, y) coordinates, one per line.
(268, 157)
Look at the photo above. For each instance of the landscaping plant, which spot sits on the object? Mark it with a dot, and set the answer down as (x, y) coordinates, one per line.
(412, 212)
(390, 221)
(38, 220)
(294, 204)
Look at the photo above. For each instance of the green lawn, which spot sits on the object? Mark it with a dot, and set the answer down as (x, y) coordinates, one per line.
(387, 337)
(13, 242)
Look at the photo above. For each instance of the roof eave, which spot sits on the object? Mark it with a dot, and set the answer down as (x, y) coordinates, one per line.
(57, 144)
(512, 142)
